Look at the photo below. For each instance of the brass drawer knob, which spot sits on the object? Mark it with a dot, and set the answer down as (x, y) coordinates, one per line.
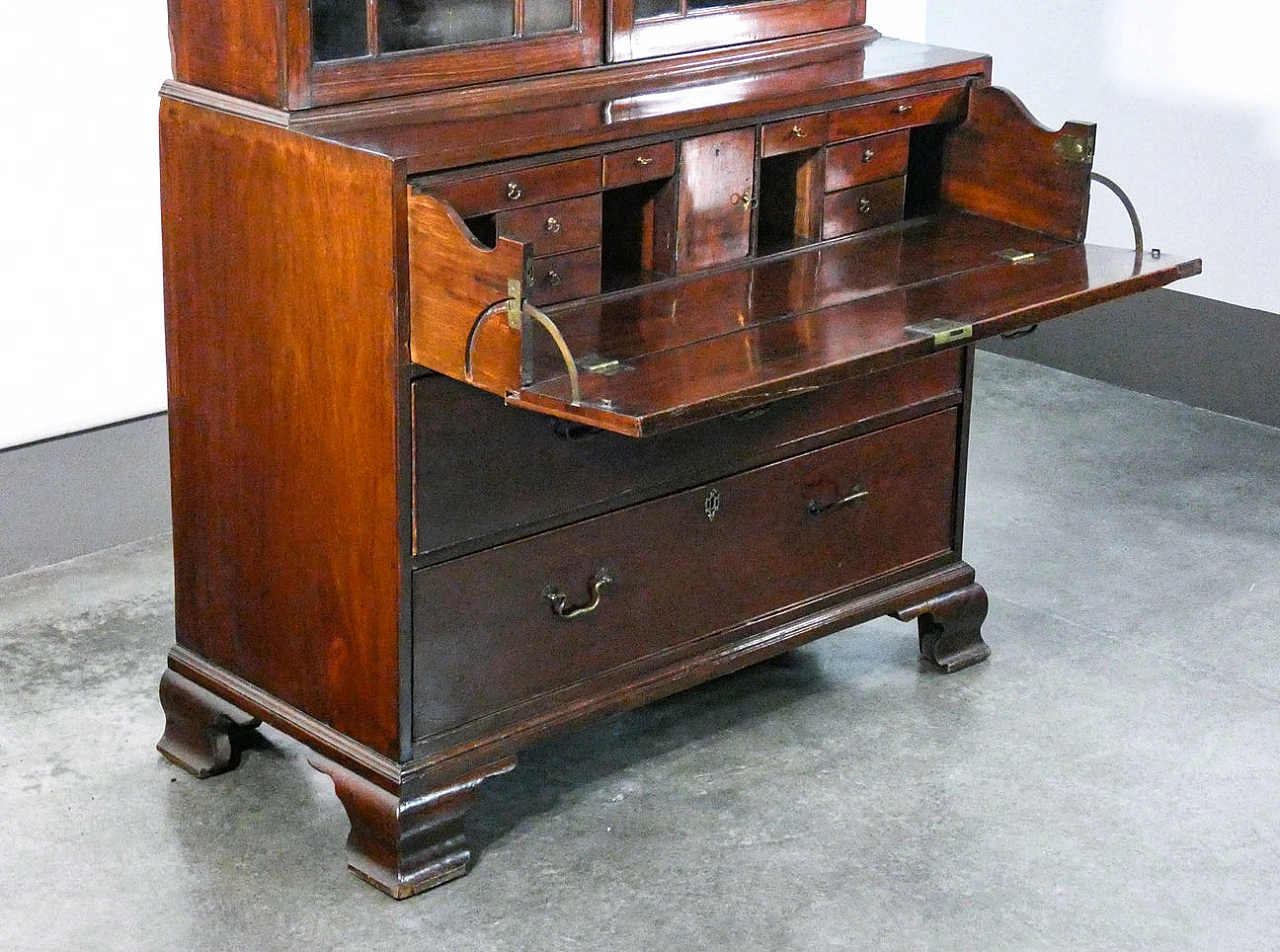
(868, 155)
(798, 131)
(553, 226)
(558, 600)
(514, 192)
(904, 108)
(864, 206)
(643, 160)
(553, 278)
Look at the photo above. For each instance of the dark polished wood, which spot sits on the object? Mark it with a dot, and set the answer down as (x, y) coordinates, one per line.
(760, 355)
(565, 277)
(793, 135)
(869, 159)
(717, 181)
(538, 473)
(863, 207)
(280, 291)
(234, 48)
(470, 344)
(403, 843)
(457, 291)
(898, 112)
(556, 227)
(203, 733)
(724, 25)
(1002, 164)
(620, 102)
(779, 535)
(951, 628)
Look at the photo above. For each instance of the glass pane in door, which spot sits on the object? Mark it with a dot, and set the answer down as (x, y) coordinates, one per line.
(546, 16)
(337, 29)
(419, 24)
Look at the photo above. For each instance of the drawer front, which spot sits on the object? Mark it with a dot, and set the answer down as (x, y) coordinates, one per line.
(544, 183)
(867, 160)
(923, 109)
(639, 165)
(565, 277)
(867, 206)
(556, 227)
(486, 633)
(793, 135)
(543, 472)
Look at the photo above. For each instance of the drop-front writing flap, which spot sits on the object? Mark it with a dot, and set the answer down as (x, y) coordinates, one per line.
(652, 361)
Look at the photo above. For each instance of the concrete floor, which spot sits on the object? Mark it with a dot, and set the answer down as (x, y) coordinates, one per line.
(1109, 780)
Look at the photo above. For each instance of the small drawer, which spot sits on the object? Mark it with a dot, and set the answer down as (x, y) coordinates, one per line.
(793, 135)
(639, 165)
(565, 277)
(543, 183)
(920, 110)
(867, 206)
(867, 160)
(487, 632)
(556, 227)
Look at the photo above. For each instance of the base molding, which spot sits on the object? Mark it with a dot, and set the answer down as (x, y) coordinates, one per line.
(407, 818)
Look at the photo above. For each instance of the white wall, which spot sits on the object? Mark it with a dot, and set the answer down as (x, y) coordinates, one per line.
(904, 19)
(81, 329)
(1188, 115)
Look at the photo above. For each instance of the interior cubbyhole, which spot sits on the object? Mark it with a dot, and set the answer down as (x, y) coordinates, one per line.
(637, 234)
(924, 171)
(790, 195)
(484, 228)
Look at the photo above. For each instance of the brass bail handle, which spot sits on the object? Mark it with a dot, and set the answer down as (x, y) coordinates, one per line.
(558, 598)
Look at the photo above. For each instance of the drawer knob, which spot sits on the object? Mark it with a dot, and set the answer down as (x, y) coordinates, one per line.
(815, 508)
(868, 155)
(864, 206)
(553, 278)
(798, 131)
(558, 599)
(643, 160)
(514, 192)
(903, 108)
(553, 226)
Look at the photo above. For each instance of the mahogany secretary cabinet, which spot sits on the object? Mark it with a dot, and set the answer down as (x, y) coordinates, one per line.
(533, 359)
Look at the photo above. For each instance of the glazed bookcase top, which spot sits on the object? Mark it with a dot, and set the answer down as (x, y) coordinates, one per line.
(296, 54)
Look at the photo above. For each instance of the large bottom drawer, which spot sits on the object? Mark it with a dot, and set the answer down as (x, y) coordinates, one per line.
(487, 632)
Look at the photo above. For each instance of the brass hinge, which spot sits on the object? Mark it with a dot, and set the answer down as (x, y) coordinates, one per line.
(605, 366)
(943, 330)
(1074, 148)
(515, 304)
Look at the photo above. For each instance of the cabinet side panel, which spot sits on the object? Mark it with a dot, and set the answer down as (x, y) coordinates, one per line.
(1000, 163)
(234, 48)
(280, 301)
